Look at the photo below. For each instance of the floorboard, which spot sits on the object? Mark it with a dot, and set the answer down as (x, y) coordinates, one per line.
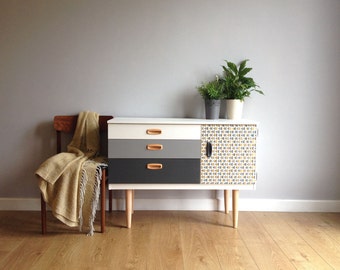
(174, 240)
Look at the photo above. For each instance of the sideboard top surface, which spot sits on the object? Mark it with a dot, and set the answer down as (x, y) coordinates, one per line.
(177, 121)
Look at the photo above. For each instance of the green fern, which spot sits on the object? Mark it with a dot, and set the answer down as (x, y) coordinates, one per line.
(211, 90)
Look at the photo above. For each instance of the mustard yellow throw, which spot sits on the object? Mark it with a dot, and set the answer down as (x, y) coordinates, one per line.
(70, 181)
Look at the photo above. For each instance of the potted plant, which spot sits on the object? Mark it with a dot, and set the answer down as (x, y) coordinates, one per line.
(236, 87)
(211, 92)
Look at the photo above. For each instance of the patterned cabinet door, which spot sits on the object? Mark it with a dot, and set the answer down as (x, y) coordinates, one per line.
(233, 154)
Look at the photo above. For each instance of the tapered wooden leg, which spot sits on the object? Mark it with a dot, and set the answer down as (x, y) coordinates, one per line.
(235, 208)
(43, 214)
(133, 201)
(226, 201)
(128, 202)
(103, 199)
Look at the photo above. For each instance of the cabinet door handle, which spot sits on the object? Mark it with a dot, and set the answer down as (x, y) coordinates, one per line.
(153, 131)
(154, 166)
(208, 149)
(154, 147)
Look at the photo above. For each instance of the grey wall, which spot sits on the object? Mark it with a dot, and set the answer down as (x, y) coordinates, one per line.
(145, 58)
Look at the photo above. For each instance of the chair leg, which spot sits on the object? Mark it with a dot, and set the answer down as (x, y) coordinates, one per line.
(110, 200)
(103, 206)
(43, 214)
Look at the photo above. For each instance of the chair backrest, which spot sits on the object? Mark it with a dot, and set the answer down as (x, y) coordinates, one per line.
(68, 123)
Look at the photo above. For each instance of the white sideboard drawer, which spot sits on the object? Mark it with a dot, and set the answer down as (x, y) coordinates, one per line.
(149, 131)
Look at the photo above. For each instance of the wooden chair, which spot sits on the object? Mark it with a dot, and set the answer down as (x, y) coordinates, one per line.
(67, 124)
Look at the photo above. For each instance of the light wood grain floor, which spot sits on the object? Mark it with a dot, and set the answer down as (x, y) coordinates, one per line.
(175, 240)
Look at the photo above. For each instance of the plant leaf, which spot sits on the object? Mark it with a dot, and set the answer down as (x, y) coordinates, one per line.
(244, 71)
(242, 65)
(259, 91)
(233, 67)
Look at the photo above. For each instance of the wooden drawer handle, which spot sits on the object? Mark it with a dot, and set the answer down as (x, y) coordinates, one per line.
(154, 166)
(154, 147)
(153, 131)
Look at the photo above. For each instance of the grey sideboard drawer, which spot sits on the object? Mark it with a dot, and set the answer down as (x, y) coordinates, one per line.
(121, 148)
(174, 171)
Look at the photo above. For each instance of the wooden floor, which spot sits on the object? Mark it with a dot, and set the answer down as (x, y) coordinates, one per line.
(175, 240)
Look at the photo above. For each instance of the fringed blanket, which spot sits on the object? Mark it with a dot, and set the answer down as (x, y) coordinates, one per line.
(70, 182)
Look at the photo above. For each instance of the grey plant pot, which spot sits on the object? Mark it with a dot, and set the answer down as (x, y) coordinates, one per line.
(212, 108)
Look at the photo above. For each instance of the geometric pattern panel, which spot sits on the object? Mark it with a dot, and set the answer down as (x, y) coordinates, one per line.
(233, 156)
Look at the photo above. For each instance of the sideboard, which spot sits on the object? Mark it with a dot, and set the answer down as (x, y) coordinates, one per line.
(182, 154)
